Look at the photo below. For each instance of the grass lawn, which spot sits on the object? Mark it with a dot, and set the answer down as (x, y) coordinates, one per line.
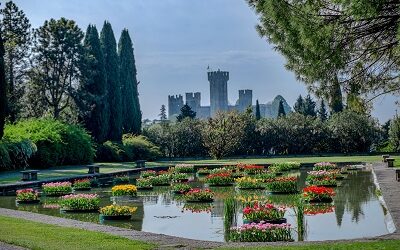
(34, 235)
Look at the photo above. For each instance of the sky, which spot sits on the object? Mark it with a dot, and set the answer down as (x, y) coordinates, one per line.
(176, 40)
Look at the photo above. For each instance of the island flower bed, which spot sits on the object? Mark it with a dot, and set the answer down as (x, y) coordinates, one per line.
(324, 166)
(321, 178)
(57, 188)
(220, 179)
(181, 188)
(184, 168)
(284, 166)
(116, 212)
(203, 171)
(251, 169)
(179, 177)
(148, 173)
(80, 202)
(318, 194)
(27, 195)
(144, 184)
(124, 190)
(161, 180)
(82, 184)
(267, 212)
(249, 183)
(282, 185)
(261, 232)
(199, 195)
(264, 176)
(121, 179)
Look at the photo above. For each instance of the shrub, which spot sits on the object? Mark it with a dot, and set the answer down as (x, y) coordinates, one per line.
(161, 180)
(148, 173)
(140, 148)
(57, 143)
(324, 166)
(80, 202)
(15, 155)
(111, 152)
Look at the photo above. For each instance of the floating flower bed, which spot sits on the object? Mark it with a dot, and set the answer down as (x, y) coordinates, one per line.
(198, 207)
(221, 170)
(284, 166)
(161, 180)
(249, 183)
(199, 195)
(57, 188)
(122, 179)
(257, 212)
(314, 209)
(181, 188)
(282, 185)
(251, 169)
(318, 194)
(322, 178)
(184, 168)
(144, 184)
(179, 177)
(27, 196)
(80, 202)
(264, 176)
(261, 232)
(324, 166)
(220, 179)
(124, 190)
(116, 212)
(82, 184)
(148, 173)
(203, 171)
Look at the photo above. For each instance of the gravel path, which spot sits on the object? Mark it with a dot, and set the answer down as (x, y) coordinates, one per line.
(385, 177)
(5, 246)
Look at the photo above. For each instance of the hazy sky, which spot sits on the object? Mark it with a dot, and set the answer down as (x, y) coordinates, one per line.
(175, 41)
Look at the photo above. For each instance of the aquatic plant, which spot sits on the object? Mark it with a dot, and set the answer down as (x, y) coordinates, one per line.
(181, 188)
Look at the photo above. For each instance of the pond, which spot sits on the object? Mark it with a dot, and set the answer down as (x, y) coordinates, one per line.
(356, 211)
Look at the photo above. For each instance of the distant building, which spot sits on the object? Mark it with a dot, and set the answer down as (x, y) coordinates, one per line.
(219, 100)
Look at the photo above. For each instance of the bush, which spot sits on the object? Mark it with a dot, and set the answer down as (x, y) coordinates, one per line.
(140, 148)
(57, 143)
(111, 152)
(15, 155)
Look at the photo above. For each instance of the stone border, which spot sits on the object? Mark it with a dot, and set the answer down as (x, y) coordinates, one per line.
(390, 189)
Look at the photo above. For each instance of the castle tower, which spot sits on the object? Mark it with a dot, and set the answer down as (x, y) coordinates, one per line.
(245, 99)
(193, 100)
(218, 91)
(175, 103)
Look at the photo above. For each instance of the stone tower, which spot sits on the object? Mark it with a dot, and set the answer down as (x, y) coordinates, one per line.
(245, 99)
(175, 103)
(193, 100)
(218, 91)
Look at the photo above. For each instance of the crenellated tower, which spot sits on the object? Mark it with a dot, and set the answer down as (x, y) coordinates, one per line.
(218, 91)
(175, 103)
(245, 99)
(193, 100)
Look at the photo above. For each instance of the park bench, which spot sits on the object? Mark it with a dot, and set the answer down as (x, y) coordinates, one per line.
(140, 164)
(29, 175)
(390, 162)
(93, 169)
(384, 157)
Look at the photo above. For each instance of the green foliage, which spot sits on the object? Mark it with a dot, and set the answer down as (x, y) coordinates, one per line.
(258, 112)
(394, 133)
(281, 110)
(3, 89)
(111, 152)
(322, 113)
(186, 112)
(140, 148)
(186, 138)
(57, 143)
(163, 113)
(299, 105)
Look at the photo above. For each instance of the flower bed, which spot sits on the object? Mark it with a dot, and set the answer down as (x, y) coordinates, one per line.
(264, 176)
(80, 202)
(199, 195)
(27, 195)
(249, 183)
(251, 169)
(124, 190)
(221, 170)
(82, 184)
(144, 184)
(116, 212)
(318, 194)
(284, 166)
(257, 212)
(314, 209)
(203, 171)
(161, 180)
(220, 179)
(57, 188)
(184, 168)
(122, 179)
(282, 185)
(322, 178)
(148, 173)
(181, 188)
(261, 232)
(179, 177)
(324, 166)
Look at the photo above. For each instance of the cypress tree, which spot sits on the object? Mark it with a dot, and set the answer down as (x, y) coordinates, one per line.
(109, 47)
(281, 109)
(299, 105)
(92, 101)
(186, 111)
(258, 112)
(322, 114)
(309, 106)
(130, 98)
(336, 99)
(3, 95)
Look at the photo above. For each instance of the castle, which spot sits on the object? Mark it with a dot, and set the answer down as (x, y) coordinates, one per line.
(219, 100)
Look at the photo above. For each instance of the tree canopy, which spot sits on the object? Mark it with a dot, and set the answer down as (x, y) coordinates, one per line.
(186, 112)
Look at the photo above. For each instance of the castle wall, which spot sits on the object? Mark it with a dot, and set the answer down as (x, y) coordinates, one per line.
(175, 103)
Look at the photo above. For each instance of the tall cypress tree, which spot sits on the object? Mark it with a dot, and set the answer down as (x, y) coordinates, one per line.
(281, 109)
(92, 94)
(335, 97)
(3, 95)
(299, 105)
(109, 47)
(309, 106)
(258, 112)
(322, 114)
(130, 98)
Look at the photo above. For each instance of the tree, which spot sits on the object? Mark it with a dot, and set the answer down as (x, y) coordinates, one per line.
(186, 111)
(114, 94)
(281, 110)
(3, 89)
(92, 93)
(130, 99)
(394, 133)
(336, 99)
(17, 39)
(309, 106)
(57, 59)
(258, 112)
(163, 113)
(322, 114)
(299, 105)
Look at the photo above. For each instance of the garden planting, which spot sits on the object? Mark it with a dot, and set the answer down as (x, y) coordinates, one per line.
(318, 194)
(181, 188)
(116, 212)
(79, 202)
(199, 195)
(282, 185)
(57, 188)
(220, 179)
(263, 212)
(144, 184)
(82, 184)
(249, 183)
(27, 196)
(322, 178)
(124, 190)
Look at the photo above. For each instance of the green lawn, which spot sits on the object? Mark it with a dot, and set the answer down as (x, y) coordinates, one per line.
(34, 235)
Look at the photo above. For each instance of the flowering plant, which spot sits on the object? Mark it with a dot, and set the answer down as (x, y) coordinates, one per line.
(203, 171)
(226, 169)
(313, 209)
(116, 210)
(122, 190)
(82, 184)
(80, 202)
(143, 183)
(184, 168)
(282, 184)
(161, 180)
(261, 232)
(249, 183)
(257, 212)
(57, 188)
(318, 194)
(180, 177)
(284, 166)
(27, 194)
(148, 173)
(324, 166)
(121, 179)
(220, 179)
(181, 188)
(264, 176)
(199, 195)
(251, 169)
(322, 178)
(198, 207)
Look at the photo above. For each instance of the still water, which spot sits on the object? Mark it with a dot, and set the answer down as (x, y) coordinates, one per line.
(356, 211)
